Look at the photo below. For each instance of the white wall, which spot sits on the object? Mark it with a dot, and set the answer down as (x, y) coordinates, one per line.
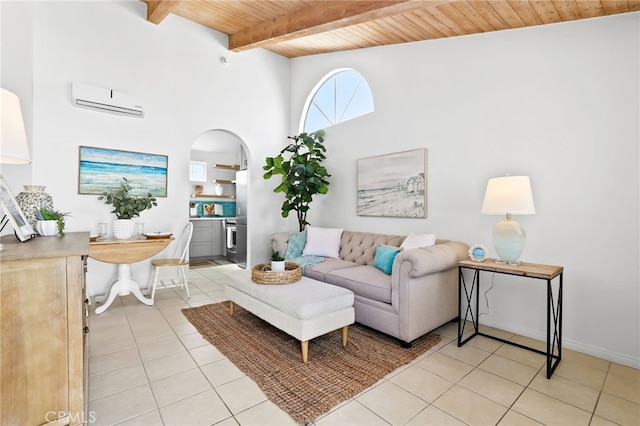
(175, 68)
(559, 103)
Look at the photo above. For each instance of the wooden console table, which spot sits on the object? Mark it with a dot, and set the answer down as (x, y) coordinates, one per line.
(530, 270)
(43, 365)
(123, 253)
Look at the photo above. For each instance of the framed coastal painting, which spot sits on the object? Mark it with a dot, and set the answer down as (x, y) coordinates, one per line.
(102, 170)
(393, 185)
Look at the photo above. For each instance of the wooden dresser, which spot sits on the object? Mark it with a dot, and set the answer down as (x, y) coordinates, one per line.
(43, 330)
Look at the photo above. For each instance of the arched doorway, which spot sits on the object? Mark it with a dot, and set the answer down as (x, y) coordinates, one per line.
(219, 202)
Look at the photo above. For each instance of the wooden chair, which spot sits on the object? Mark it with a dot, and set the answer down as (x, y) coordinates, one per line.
(179, 263)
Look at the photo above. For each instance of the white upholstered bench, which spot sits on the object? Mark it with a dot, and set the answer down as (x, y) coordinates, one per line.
(305, 309)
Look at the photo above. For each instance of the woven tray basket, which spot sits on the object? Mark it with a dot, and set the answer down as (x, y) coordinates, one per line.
(262, 274)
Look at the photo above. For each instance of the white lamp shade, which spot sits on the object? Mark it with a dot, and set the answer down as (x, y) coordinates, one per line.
(508, 195)
(14, 148)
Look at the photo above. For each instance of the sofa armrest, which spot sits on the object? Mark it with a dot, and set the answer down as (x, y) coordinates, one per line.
(432, 259)
(424, 287)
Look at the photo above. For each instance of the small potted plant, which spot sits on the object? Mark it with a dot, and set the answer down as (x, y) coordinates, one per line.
(50, 222)
(126, 207)
(277, 262)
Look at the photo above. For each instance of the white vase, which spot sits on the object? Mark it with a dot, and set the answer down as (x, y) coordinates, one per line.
(219, 189)
(47, 228)
(123, 228)
(277, 265)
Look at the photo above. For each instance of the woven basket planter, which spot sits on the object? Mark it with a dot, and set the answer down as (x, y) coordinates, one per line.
(262, 274)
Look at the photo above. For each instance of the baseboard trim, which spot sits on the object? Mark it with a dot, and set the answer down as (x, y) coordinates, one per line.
(603, 353)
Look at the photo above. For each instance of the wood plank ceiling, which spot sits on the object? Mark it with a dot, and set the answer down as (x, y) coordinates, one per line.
(294, 28)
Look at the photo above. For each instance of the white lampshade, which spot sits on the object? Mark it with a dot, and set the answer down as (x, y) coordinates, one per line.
(14, 148)
(506, 196)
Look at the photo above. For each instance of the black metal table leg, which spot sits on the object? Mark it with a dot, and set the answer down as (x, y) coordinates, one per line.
(462, 322)
(554, 317)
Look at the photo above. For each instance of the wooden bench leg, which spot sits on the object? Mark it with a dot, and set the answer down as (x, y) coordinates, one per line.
(305, 351)
(345, 333)
(231, 307)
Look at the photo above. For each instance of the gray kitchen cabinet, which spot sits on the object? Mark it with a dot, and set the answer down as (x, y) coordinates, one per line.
(207, 240)
(217, 240)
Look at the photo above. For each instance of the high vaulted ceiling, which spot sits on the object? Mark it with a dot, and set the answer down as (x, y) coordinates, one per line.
(295, 28)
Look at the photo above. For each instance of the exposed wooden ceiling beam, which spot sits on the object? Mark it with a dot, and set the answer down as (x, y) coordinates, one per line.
(157, 10)
(322, 17)
(294, 28)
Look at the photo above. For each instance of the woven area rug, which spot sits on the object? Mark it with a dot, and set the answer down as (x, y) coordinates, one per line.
(272, 358)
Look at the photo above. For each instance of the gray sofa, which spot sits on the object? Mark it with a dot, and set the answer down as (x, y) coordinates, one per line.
(420, 294)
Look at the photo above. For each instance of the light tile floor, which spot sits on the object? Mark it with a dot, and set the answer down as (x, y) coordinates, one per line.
(149, 366)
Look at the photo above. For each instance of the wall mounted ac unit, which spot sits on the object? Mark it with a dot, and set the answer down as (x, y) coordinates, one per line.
(106, 100)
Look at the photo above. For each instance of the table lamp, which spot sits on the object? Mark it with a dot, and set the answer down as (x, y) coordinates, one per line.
(509, 195)
(14, 148)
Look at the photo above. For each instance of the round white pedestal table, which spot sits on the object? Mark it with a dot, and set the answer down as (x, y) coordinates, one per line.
(123, 253)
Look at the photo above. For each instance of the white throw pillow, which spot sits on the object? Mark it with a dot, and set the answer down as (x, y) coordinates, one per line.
(418, 240)
(323, 242)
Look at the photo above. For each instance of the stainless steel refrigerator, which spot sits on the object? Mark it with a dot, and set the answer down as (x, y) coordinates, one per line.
(241, 218)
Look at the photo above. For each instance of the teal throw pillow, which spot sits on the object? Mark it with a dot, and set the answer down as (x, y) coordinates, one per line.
(297, 241)
(385, 255)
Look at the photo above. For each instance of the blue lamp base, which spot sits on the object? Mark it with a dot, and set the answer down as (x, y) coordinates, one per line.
(509, 238)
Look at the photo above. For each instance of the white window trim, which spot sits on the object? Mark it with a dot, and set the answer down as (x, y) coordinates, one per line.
(312, 94)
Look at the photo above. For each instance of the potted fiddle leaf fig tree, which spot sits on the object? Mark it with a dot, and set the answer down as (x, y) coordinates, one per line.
(126, 207)
(302, 174)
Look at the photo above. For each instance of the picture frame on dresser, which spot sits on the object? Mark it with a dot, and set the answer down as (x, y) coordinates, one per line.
(14, 214)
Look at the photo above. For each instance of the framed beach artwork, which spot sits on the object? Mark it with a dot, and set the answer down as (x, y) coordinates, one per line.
(102, 170)
(393, 185)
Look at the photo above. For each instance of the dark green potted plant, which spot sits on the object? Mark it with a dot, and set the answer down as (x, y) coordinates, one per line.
(302, 174)
(126, 207)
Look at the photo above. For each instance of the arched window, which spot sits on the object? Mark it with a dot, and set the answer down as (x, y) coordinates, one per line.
(341, 95)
